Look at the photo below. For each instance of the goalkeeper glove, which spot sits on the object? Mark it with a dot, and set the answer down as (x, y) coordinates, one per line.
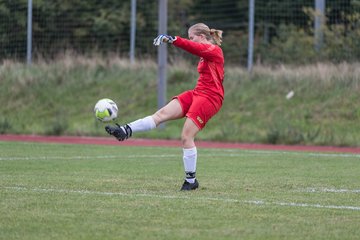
(163, 38)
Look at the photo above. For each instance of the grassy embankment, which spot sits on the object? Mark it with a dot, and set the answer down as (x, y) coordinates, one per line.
(57, 98)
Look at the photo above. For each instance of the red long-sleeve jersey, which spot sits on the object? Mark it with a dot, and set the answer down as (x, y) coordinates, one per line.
(210, 68)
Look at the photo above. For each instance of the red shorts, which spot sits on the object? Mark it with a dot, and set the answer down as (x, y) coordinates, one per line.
(198, 108)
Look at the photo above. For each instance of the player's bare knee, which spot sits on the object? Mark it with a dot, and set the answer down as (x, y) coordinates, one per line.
(187, 141)
(184, 141)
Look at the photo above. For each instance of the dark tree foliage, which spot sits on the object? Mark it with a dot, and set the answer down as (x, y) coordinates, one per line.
(103, 26)
(12, 16)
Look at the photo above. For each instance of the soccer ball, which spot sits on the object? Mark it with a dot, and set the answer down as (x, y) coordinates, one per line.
(105, 110)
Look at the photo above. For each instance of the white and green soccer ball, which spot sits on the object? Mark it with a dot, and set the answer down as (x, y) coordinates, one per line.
(106, 110)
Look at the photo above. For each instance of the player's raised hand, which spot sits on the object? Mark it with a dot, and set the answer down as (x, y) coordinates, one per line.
(163, 38)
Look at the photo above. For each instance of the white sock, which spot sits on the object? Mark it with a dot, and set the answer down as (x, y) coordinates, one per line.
(189, 159)
(144, 124)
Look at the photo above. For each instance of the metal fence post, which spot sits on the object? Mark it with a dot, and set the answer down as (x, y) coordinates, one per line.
(251, 35)
(162, 56)
(29, 33)
(319, 21)
(132, 31)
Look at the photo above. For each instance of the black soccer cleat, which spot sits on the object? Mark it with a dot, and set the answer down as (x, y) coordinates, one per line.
(189, 186)
(119, 132)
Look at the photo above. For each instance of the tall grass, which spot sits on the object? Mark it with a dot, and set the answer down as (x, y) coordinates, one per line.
(57, 98)
(324, 109)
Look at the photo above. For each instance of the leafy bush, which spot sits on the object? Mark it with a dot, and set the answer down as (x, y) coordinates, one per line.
(5, 126)
(296, 45)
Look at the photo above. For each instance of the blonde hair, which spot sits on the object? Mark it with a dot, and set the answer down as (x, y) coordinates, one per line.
(213, 35)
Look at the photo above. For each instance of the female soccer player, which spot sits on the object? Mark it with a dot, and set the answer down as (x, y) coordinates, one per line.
(197, 105)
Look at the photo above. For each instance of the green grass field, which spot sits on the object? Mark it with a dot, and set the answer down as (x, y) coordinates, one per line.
(59, 191)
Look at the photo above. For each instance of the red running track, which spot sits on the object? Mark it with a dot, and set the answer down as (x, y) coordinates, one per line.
(172, 143)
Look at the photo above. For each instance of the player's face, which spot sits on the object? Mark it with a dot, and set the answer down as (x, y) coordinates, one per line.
(196, 38)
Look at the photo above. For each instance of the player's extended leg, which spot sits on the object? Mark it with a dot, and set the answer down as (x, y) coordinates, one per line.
(170, 111)
(188, 134)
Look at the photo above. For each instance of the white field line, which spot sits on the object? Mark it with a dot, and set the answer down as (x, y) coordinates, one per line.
(275, 152)
(221, 153)
(87, 157)
(330, 190)
(192, 198)
(342, 155)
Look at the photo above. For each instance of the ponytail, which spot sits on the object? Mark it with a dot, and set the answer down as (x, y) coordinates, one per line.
(217, 36)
